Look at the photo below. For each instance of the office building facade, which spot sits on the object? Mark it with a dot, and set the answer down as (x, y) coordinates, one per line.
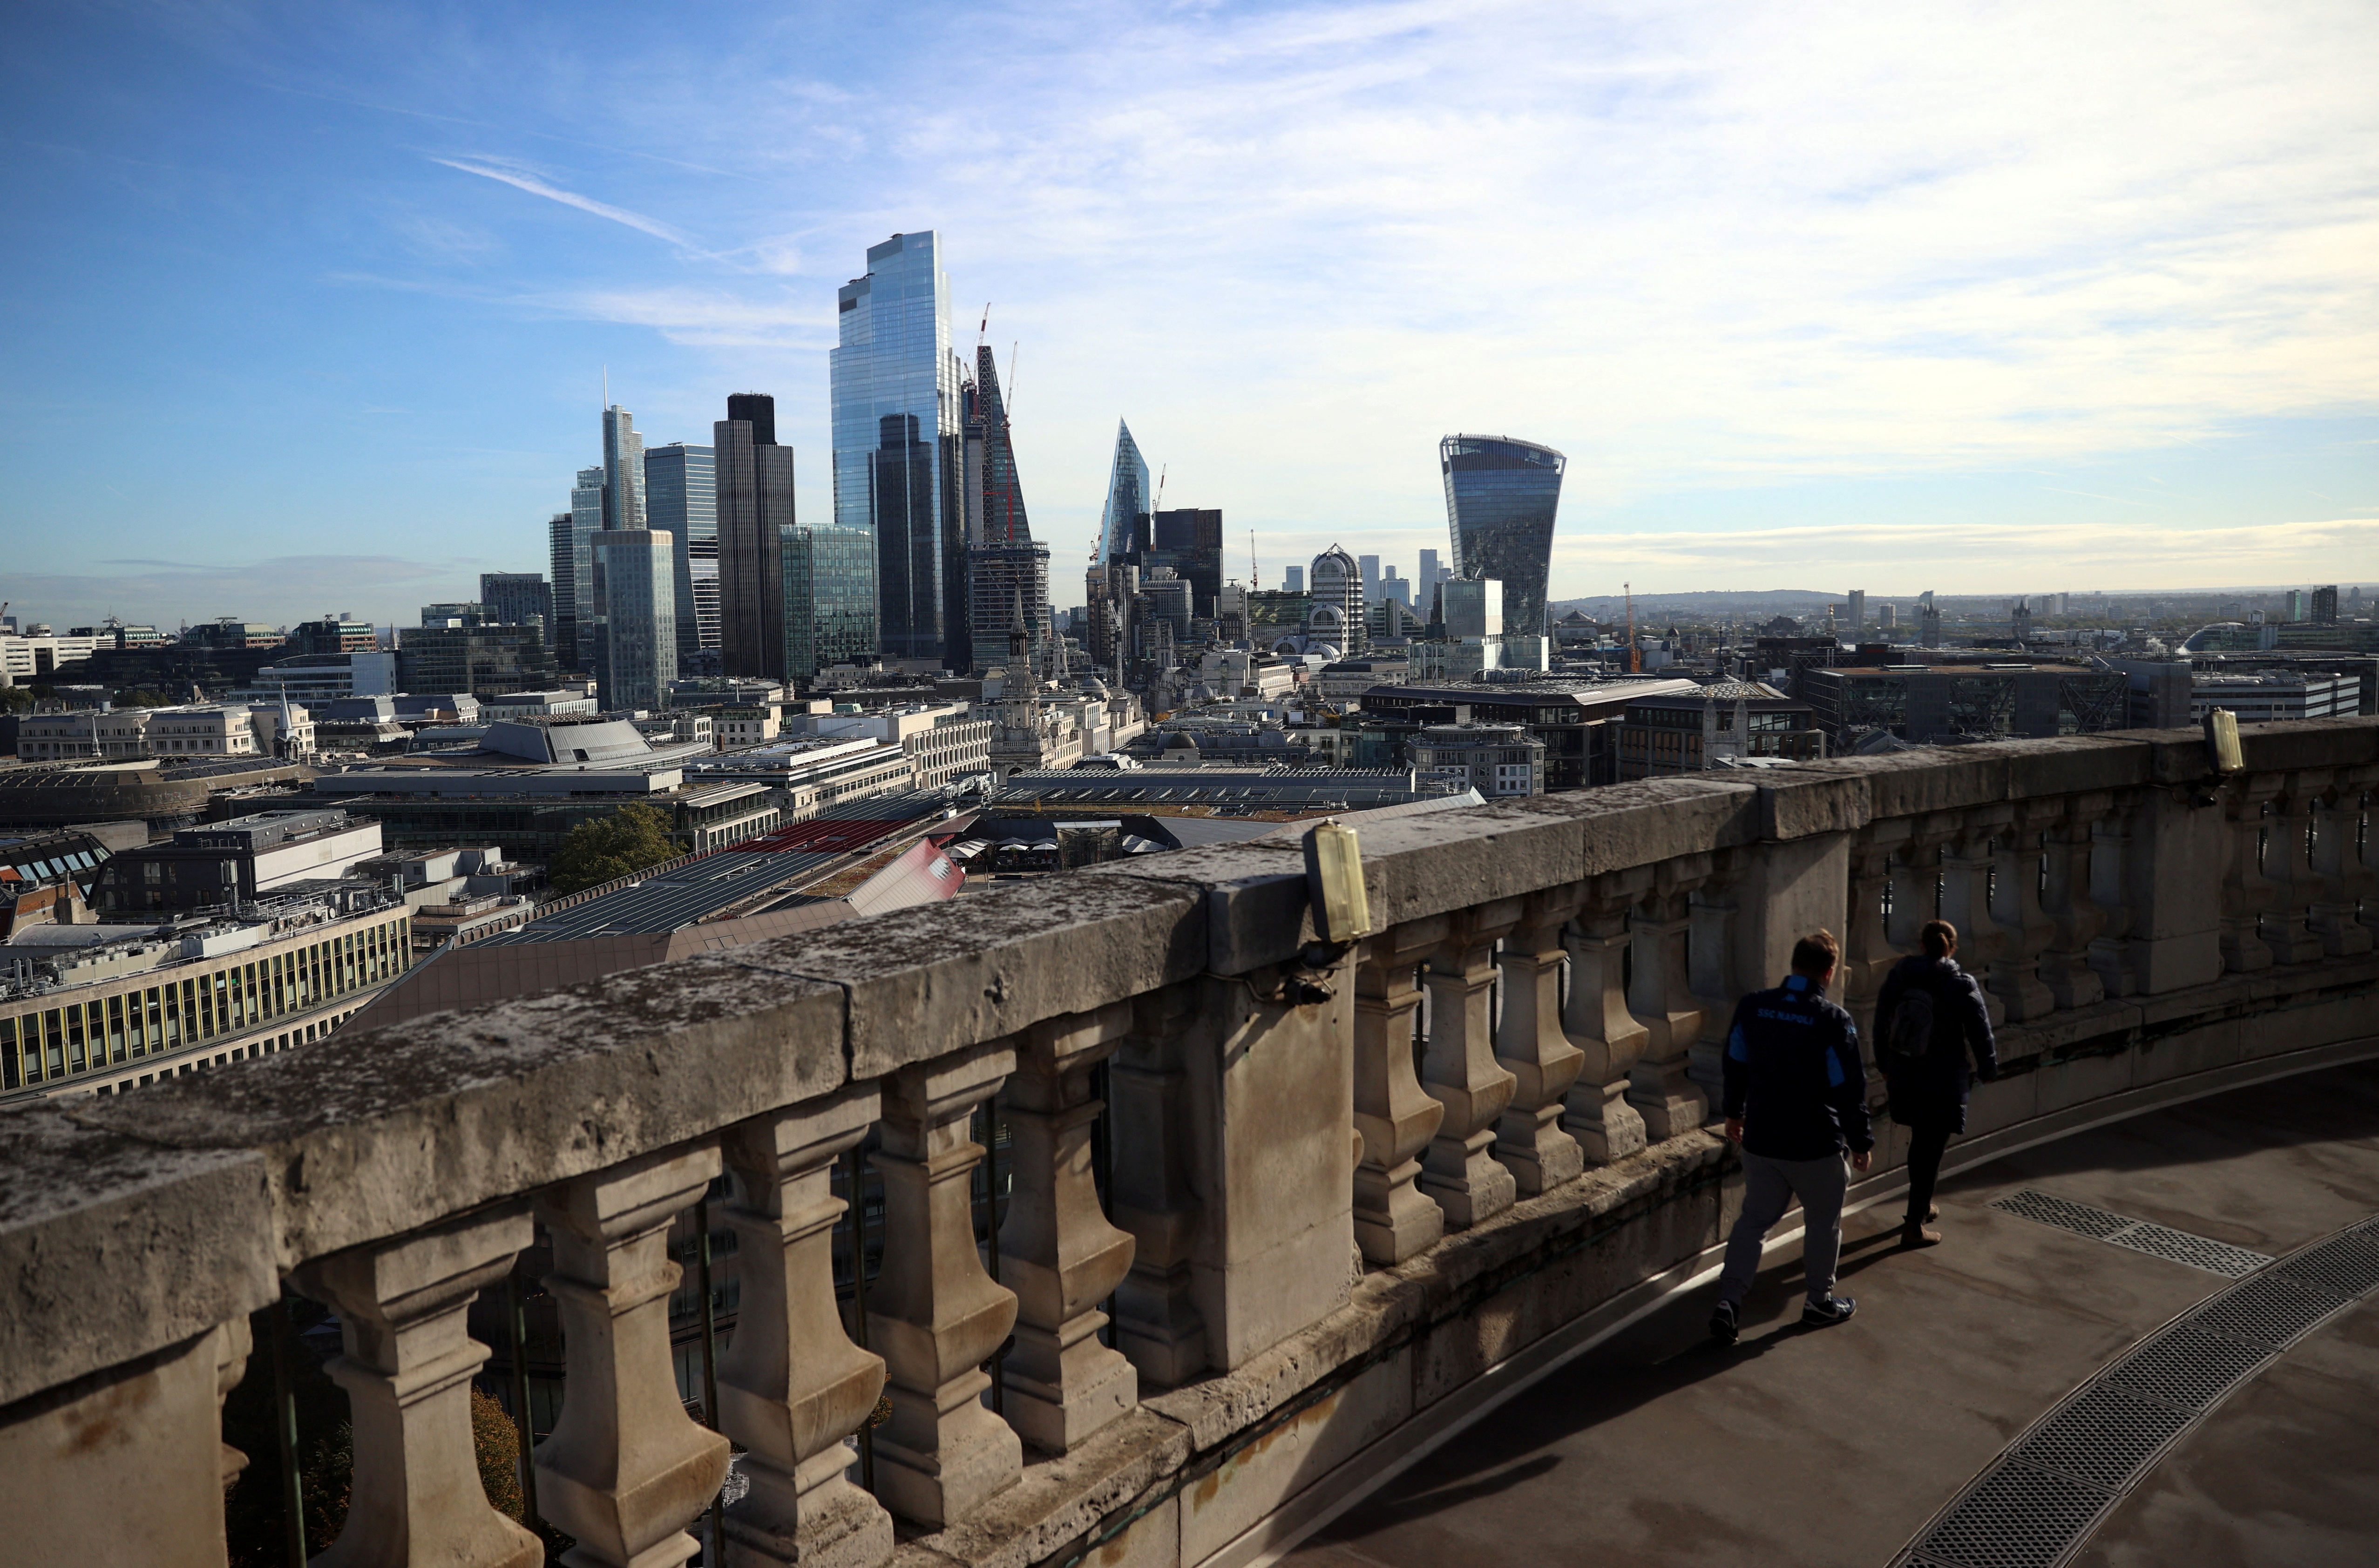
(635, 590)
(623, 471)
(681, 499)
(828, 589)
(586, 522)
(1008, 572)
(516, 599)
(897, 446)
(1127, 496)
(1501, 497)
(1337, 597)
(754, 505)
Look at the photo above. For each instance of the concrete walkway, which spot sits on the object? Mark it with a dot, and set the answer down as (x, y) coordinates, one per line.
(1832, 1447)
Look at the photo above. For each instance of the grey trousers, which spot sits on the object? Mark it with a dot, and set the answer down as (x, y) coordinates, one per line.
(1768, 1185)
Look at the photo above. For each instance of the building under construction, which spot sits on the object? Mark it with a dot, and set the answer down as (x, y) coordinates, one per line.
(1008, 572)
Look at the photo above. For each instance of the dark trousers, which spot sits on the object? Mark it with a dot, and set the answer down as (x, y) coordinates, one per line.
(1925, 1142)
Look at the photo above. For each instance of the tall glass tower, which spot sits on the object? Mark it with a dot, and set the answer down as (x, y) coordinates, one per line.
(681, 497)
(899, 445)
(754, 502)
(623, 470)
(586, 522)
(1127, 496)
(636, 602)
(1500, 498)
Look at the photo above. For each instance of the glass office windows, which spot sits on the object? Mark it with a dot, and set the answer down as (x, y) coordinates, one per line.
(1501, 496)
(75, 1048)
(828, 583)
(118, 1043)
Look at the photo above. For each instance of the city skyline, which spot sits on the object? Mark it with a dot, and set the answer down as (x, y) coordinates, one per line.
(2073, 322)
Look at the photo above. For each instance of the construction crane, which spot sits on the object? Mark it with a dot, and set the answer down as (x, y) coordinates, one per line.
(1254, 582)
(1635, 659)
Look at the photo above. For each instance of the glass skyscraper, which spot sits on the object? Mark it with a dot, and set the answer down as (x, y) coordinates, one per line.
(586, 522)
(682, 496)
(1500, 498)
(623, 470)
(829, 591)
(1127, 496)
(636, 593)
(898, 446)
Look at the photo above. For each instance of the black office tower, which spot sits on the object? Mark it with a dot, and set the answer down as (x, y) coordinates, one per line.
(755, 478)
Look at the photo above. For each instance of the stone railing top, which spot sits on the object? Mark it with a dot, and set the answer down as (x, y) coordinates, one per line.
(180, 1206)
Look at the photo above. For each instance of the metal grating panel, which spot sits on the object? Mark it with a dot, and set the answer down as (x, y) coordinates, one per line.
(2186, 1367)
(2018, 1517)
(2271, 1310)
(2101, 1438)
(2197, 1251)
(2349, 1263)
(2065, 1214)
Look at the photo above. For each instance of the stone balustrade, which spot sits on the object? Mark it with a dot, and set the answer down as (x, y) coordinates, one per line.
(1354, 1190)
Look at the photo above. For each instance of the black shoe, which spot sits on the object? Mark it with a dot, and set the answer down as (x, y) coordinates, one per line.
(1832, 1309)
(1723, 1327)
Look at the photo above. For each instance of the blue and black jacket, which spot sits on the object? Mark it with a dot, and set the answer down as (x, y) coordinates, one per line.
(1794, 1074)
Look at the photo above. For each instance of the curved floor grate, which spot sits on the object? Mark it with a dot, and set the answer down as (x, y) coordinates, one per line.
(2038, 1504)
(2140, 1236)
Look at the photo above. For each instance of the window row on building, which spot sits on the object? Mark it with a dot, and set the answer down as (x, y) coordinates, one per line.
(48, 1039)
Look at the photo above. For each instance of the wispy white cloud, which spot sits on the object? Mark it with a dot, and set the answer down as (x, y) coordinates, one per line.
(534, 186)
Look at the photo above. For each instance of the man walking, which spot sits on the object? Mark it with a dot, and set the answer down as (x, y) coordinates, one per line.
(1929, 1016)
(1795, 1098)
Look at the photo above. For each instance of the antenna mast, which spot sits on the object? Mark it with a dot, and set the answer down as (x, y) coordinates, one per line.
(1634, 658)
(1254, 582)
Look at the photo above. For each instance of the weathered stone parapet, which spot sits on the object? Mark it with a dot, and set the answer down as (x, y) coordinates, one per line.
(1266, 1112)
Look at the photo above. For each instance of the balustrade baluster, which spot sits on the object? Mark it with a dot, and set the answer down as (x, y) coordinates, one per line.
(1531, 1045)
(1597, 1020)
(1661, 995)
(1916, 879)
(2286, 925)
(407, 1366)
(1393, 1220)
(2246, 891)
(1710, 947)
(2358, 845)
(792, 1388)
(1967, 863)
(1057, 1250)
(1157, 1323)
(1460, 1070)
(2337, 868)
(2114, 873)
(2074, 916)
(933, 1313)
(2023, 931)
(1867, 950)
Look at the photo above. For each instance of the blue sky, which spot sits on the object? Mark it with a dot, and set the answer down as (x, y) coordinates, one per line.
(308, 307)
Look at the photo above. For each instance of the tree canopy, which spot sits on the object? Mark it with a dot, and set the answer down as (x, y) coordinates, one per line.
(623, 842)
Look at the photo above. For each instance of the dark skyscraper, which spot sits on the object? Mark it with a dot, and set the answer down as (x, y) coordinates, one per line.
(513, 598)
(898, 446)
(754, 498)
(1008, 574)
(1500, 498)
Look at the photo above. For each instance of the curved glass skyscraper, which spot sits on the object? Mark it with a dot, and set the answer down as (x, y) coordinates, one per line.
(897, 445)
(1500, 498)
(1127, 497)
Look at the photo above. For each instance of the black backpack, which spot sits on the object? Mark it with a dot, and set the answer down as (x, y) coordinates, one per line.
(1909, 1035)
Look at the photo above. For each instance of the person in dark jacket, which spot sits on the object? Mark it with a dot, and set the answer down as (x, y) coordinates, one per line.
(1928, 1084)
(1795, 1097)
